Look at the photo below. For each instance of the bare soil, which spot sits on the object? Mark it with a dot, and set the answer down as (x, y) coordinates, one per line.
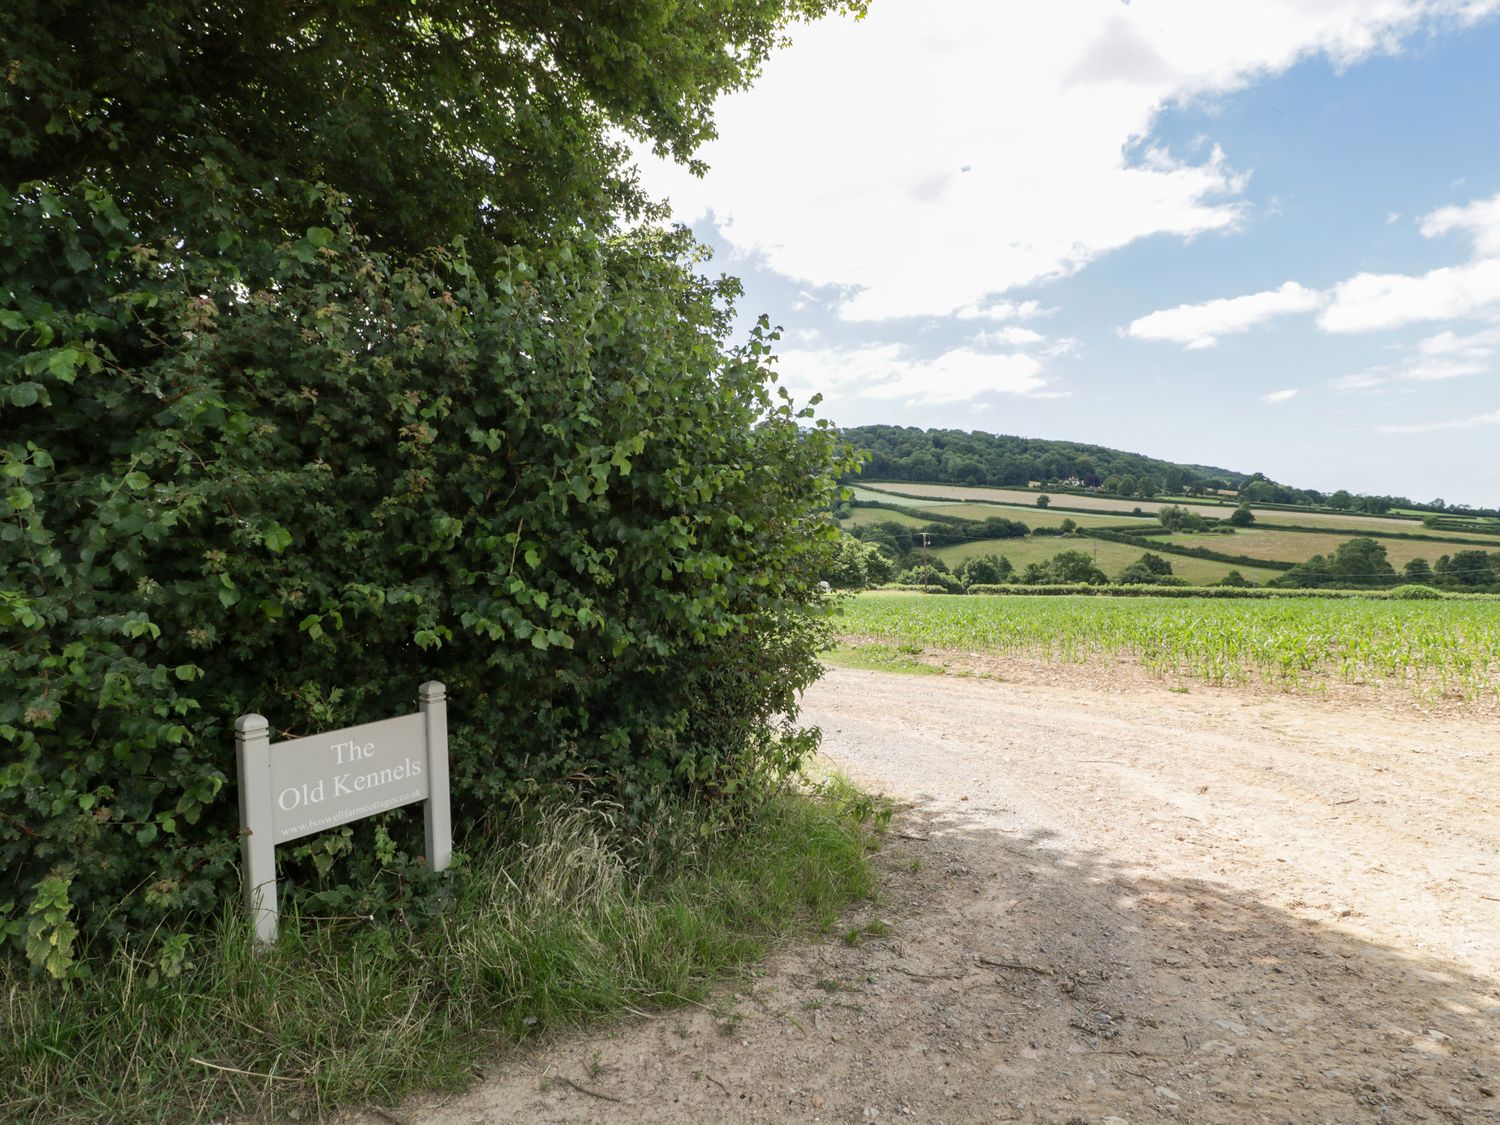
(1107, 901)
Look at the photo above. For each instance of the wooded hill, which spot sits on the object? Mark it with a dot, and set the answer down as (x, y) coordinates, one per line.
(907, 453)
(964, 457)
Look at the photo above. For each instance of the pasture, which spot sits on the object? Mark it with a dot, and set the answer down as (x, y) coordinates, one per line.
(1032, 517)
(1294, 546)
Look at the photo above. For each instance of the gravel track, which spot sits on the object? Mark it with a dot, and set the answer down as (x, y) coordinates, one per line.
(1107, 902)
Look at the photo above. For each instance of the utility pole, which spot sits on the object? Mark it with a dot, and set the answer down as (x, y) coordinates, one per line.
(926, 570)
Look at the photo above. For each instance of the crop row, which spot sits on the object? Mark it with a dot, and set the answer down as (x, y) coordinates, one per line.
(1429, 647)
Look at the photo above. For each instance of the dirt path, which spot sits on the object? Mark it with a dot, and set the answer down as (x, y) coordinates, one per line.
(1107, 907)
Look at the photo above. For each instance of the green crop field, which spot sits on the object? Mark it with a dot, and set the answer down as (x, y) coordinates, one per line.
(1428, 647)
(1111, 557)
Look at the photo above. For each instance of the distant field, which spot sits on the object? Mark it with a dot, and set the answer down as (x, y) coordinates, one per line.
(1299, 546)
(861, 517)
(867, 494)
(1335, 521)
(1110, 557)
(1027, 499)
(1429, 647)
(1031, 517)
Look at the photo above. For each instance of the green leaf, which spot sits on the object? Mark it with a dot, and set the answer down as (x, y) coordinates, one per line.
(63, 363)
(24, 394)
(319, 236)
(137, 480)
(276, 538)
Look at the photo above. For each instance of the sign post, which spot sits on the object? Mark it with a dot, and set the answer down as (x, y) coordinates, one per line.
(292, 789)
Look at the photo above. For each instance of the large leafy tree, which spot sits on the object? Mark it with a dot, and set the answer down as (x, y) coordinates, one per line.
(435, 118)
(338, 350)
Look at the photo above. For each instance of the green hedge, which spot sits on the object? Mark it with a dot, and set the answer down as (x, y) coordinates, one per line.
(251, 472)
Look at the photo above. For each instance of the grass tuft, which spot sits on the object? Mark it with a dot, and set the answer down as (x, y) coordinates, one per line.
(576, 918)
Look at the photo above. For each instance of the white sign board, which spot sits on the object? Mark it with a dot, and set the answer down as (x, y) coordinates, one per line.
(292, 789)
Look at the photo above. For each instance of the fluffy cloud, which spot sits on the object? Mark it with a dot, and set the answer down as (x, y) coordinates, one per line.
(888, 371)
(1369, 302)
(1200, 326)
(1003, 310)
(1480, 220)
(987, 146)
(1279, 396)
(1012, 334)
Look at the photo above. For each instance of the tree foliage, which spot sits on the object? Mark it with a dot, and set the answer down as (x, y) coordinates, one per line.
(1148, 570)
(1065, 568)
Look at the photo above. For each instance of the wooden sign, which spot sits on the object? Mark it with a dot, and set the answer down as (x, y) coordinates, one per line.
(292, 789)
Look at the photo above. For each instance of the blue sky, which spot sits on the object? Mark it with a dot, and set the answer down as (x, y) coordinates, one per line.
(1264, 236)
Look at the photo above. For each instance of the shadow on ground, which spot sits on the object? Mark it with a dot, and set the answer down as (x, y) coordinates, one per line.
(1002, 978)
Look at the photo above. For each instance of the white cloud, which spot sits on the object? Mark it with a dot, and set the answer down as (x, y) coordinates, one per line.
(1367, 302)
(1003, 310)
(1370, 302)
(1012, 334)
(1469, 423)
(1480, 220)
(1000, 144)
(1474, 346)
(1200, 326)
(887, 371)
(1276, 397)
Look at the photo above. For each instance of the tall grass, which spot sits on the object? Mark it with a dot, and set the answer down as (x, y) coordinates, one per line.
(574, 918)
(1449, 647)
